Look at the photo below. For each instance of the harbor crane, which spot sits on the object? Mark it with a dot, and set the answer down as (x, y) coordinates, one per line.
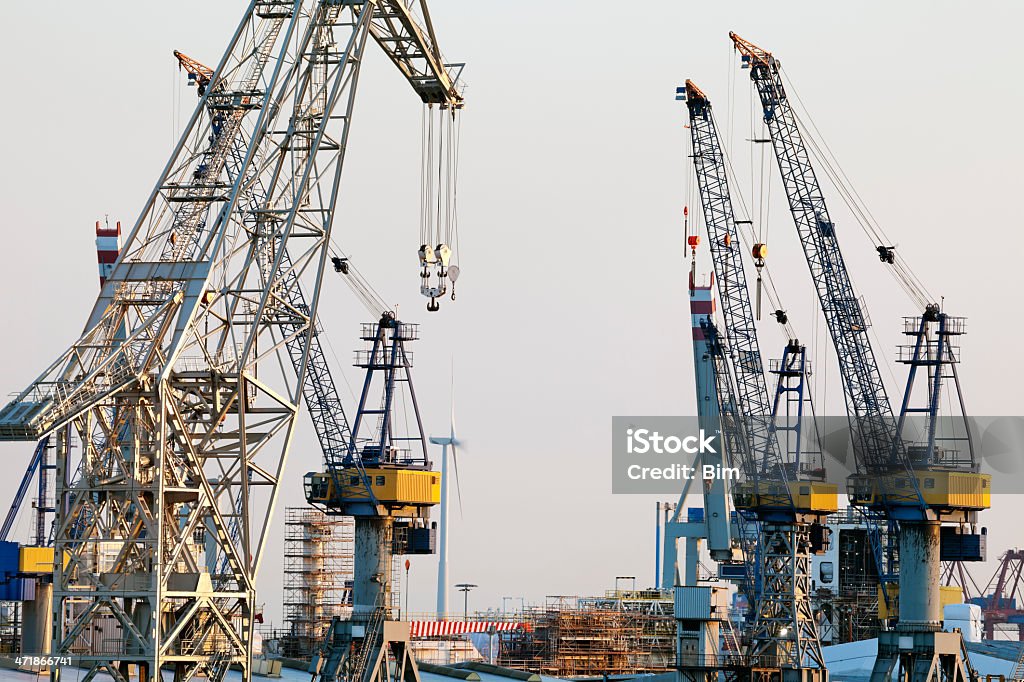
(181, 389)
(788, 501)
(922, 484)
(387, 483)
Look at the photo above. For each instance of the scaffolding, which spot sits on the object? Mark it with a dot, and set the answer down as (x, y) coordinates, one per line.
(624, 632)
(10, 628)
(318, 574)
(850, 611)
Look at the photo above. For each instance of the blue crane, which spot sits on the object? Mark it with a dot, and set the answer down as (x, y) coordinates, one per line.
(789, 511)
(919, 485)
(868, 407)
(37, 463)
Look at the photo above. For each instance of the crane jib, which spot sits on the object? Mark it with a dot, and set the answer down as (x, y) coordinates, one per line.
(870, 411)
(737, 311)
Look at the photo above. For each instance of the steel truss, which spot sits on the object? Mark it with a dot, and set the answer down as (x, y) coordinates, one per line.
(727, 255)
(785, 634)
(185, 387)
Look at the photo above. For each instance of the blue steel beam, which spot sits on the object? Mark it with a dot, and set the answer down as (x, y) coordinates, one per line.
(26, 483)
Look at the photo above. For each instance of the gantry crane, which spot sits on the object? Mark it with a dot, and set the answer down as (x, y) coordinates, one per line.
(788, 502)
(180, 388)
(919, 485)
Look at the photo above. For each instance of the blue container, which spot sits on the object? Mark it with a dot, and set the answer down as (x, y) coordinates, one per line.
(955, 546)
(18, 589)
(8, 560)
(422, 541)
(734, 572)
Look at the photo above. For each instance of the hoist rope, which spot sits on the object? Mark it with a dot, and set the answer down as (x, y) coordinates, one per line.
(359, 285)
(423, 180)
(441, 158)
(449, 171)
(747, 238)
(439, 168)
(455, 188)
(427, 212)
(901, 271)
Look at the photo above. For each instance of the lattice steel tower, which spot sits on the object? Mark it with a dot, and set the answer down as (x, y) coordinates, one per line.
(185, 387)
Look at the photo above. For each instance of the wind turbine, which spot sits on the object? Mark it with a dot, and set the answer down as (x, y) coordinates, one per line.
(449, 441)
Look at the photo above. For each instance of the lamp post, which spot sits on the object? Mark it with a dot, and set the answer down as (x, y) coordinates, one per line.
(465, 588)
(407, 565)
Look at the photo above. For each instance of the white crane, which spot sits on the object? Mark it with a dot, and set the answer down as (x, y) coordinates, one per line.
(181, 388)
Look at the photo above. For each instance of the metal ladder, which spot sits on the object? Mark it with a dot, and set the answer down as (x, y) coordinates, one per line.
(1018, 667)
(372, 639)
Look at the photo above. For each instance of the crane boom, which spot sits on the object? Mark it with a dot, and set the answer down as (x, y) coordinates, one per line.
(737, 311)
(411, 45)
(198, 74)
(870, 413)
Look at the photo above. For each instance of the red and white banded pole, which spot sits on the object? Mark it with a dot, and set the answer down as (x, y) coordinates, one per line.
(108, 246)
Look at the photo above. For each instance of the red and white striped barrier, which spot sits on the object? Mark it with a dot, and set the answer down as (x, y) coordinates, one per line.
(441, 628)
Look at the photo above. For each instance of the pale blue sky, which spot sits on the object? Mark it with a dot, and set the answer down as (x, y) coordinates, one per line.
(572, 305)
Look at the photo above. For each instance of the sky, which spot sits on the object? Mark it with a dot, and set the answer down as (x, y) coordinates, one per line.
(572, 304)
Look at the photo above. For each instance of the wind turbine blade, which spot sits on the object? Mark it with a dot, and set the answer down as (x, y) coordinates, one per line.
(451, 407)
(458, 486)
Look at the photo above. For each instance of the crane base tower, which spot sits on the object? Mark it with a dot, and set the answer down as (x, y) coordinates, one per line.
(385, 481)
(921, 656)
